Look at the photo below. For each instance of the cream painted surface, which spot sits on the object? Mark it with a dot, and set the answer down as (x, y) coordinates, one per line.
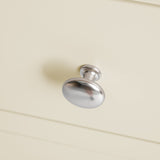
(18, 148)
(152, 2)
(32, 137)
(121, 38)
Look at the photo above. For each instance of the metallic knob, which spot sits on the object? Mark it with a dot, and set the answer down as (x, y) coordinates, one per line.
(84, 92)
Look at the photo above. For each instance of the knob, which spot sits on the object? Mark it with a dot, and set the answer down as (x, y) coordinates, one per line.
(84, 92)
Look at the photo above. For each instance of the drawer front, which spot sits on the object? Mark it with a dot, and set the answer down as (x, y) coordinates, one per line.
(43, 43)
(22, 137)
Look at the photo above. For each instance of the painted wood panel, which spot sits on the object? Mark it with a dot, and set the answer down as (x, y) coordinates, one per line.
(24, 136)
(44, 42)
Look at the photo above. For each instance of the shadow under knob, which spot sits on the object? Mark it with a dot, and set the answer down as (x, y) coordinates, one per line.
(84, 92)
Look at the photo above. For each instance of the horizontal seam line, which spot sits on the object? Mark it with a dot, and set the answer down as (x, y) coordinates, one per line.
(79, 126)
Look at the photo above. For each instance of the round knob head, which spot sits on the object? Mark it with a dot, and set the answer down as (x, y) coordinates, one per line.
(83, 93)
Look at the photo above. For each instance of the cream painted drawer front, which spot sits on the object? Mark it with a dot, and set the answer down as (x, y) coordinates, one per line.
(15, 147)
(44, 42)
(24, 137)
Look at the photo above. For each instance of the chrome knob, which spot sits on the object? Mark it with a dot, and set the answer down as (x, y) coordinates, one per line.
(84, 92)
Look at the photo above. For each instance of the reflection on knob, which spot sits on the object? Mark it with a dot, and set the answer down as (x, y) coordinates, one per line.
(84, 92)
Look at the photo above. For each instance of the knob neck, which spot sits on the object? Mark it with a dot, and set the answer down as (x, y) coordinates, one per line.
(90, 72)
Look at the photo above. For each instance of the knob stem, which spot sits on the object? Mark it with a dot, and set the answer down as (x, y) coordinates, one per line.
(90, 75)
(90, 72)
